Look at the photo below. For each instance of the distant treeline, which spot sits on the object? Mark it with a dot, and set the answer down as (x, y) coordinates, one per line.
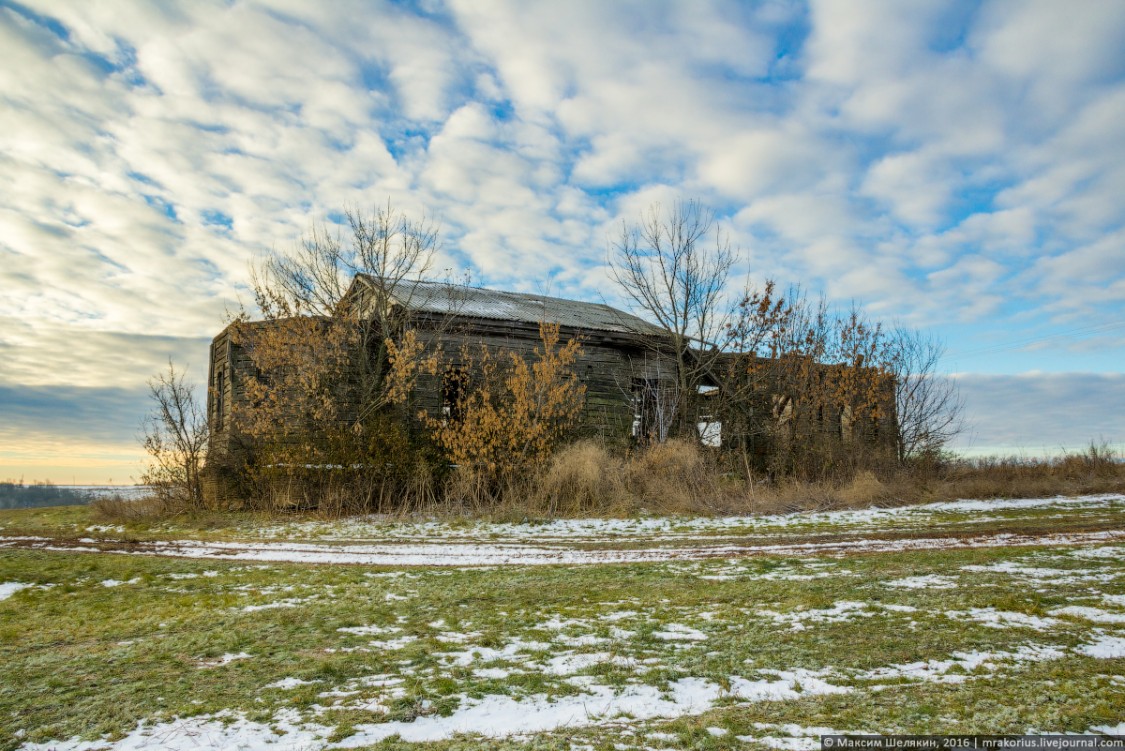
(17, 495)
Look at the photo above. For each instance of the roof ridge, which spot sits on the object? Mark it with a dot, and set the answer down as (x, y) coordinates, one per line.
(485, 302)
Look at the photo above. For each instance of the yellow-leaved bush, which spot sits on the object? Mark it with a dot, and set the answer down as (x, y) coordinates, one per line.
(515, 410)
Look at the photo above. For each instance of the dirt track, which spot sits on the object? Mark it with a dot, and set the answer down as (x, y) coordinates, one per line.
(513, 554)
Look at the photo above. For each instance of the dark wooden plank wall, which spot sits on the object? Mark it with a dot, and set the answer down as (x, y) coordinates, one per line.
(607, 365)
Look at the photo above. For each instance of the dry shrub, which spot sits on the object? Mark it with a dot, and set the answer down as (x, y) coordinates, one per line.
(1096, 469)
(1096, 461)
(581, 479)
(674, 477)
(118, 510)
(792, 495)
(334, 491)
(514, 416)
(864, 489)
(674, 459)
(468, 489)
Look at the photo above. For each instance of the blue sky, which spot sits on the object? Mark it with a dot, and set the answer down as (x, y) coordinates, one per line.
(954, 166)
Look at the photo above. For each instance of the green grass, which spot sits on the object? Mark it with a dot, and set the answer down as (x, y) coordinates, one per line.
(81, 659)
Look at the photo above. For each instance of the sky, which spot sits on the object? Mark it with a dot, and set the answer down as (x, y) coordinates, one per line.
(954, 166)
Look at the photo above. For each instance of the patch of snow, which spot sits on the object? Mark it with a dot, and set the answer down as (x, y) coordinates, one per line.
(796, 738)
(118, 582)
(797, 620)
(1103, 551)
(678, 632)
(455, 637)
(1003, 618)
(939, 671)
(583, 640)
(7, 589)
(369, 630)
(497, 716)
(285, 684)
(680, 528)
(1041, 575)
(1105, 648)
(1096, 615)
(115, 528)
(226, 659)
(290, 602)
(931, 581)
(503, 716)
(208, 733)
(393, 644)
(489, 654)
(555, 623)
(1118, 729)
(790, 684)
(573, 663)
(491, 554)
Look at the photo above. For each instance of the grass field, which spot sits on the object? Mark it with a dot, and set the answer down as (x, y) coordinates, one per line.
(749, 631)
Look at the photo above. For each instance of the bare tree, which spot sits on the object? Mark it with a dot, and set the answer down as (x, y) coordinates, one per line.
(674, 265)
(174, 435)
(929, 405)
(337, 350)
(388, 252)
(655, 399)
(312, 279)
(810, 388)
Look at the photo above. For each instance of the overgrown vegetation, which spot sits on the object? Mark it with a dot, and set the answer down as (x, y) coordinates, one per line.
(679, 477)
(510, 419)
(329, 426)
(777, 402)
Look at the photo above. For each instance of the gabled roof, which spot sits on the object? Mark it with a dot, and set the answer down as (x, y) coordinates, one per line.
(474, 302)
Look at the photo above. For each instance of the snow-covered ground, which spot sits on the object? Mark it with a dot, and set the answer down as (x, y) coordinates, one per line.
(499, 716)
(512, 554)
(577, 650)
(664, 528)
(598, 541)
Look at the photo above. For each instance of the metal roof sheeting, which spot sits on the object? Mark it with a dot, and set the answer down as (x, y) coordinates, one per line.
(437, 297)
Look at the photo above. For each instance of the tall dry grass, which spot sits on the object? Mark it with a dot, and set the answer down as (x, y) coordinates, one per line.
(118, 510)
(588, 479)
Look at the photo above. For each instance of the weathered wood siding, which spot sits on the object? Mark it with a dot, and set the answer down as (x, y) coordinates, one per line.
(607, 366)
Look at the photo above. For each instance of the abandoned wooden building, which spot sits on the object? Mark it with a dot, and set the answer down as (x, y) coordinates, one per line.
(627, 364)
